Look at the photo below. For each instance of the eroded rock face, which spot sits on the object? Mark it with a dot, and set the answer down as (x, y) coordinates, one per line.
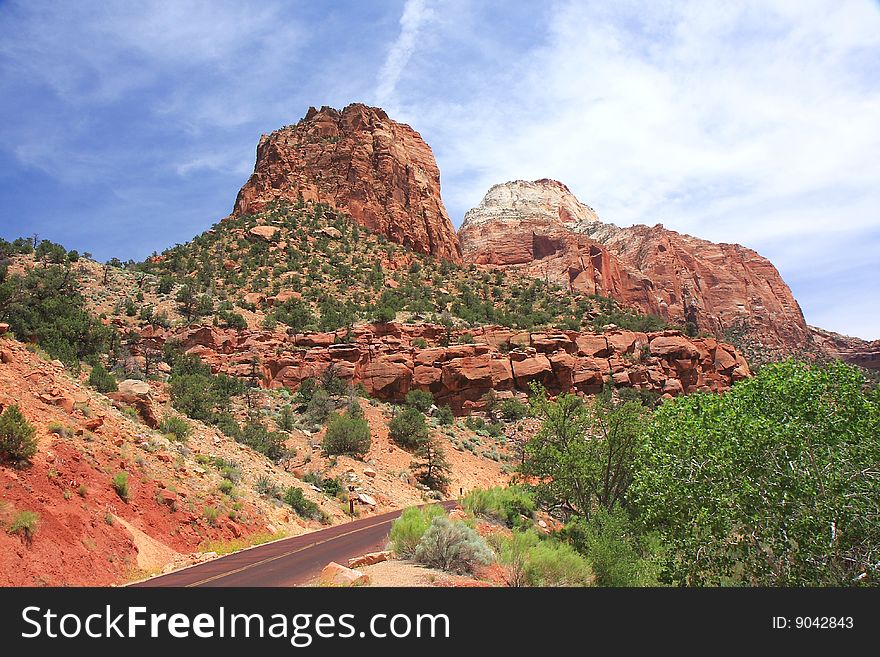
(859, 352)
(385, 360)
(542, 229)
(358, 160)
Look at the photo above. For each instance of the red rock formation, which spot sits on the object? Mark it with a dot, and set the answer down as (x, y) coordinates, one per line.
(851, 350)
(542, 229)
(358, 160)
(384, 359)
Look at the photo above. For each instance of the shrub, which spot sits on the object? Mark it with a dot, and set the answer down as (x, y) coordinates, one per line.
(305, 508)
(266, 487)
(408, 428)
(514, 506)
(25, 525)
(176, 427)
(420, 343)
(226, 487)
(120, 485)
(513, 409)
(347, 435)
(551, 563)
(420, 400)
(452, 546)
(82, 491)
(444, 415)
(102, 380)
(211, 514)
(408, 529)
(619, 554)
(256, 436)
(17, 441)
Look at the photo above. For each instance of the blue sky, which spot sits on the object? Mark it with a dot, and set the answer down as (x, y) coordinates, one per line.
(128, 127)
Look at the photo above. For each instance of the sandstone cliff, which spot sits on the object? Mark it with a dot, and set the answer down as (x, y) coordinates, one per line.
(542, 229)
(360, 161)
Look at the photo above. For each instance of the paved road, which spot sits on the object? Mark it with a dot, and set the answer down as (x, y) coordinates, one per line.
(290, 561)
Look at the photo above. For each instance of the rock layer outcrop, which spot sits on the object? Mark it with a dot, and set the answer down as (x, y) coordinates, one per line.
(859, 352)
(541, 229)
(363, 163)
(385, 358)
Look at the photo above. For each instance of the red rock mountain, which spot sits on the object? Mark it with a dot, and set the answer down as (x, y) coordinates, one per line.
(542, 229)
(358, 160)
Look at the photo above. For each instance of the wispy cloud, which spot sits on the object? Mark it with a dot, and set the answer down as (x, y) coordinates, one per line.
(415, 14)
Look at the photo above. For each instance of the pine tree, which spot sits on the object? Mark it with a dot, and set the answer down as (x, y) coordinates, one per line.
(431, 467)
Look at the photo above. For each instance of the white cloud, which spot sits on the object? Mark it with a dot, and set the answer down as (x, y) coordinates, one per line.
(739, 122)
(415, 15)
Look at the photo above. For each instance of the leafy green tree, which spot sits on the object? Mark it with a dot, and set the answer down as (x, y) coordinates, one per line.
(347, 435)
(408, 428)
(17, 435)
(582, 458)
(430, 466)
(775, 482)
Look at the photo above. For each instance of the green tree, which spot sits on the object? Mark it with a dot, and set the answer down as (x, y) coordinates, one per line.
(419, 399)
(775, 482)
(347, 434)
(186, 302)
(583, 455)
(102, 380)
(408, 428)
(431, 467)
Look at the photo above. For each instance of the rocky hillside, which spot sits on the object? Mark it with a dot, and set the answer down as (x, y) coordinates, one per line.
(359, 161)
(540, 228)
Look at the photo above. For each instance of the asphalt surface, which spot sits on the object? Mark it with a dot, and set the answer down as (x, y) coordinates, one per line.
(290, 561)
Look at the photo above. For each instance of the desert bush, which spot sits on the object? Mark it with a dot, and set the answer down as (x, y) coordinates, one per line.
(513, 409)
(304, 507)
(25, 525)
(211, 514)
(226, 487)
(551, 563)
(120, 485)
(319, 408)
(102, 380)
(176, 427)
(17, 441)
(347, 435)
(408, 428)
(514, 505)
(268, 488)
(452, 546)
(408, 529)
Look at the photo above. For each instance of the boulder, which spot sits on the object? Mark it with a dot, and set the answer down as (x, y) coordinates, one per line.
(334, 574)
